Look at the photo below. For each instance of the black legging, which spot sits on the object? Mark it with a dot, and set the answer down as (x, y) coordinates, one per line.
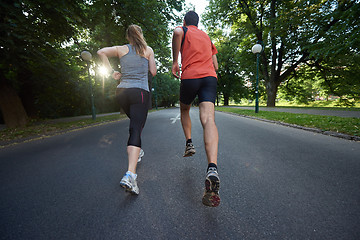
(134, 101)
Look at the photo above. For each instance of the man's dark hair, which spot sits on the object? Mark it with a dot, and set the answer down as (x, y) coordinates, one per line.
(191, 18)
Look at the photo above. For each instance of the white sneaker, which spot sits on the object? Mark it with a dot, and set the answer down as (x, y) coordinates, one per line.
(129, 183)
(140, 155)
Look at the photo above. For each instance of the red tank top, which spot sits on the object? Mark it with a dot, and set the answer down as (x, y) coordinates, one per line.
(196, 55)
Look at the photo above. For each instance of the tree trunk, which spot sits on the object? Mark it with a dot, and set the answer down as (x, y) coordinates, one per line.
(226, 100)
(11, 106)
(25, 93)
(271, 90)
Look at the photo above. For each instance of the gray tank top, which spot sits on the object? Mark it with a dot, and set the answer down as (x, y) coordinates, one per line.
(134, 70)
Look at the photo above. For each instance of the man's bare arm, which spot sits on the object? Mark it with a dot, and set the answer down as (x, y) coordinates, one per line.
(215, 62)
(176, 44)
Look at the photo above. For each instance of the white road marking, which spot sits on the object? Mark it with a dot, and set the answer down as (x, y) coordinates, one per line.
(175, 118)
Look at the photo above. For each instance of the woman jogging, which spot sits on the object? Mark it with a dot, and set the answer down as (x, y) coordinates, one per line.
(136, 60)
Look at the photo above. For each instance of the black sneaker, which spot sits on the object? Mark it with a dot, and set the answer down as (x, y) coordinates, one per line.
(211, 196)
(189, 150)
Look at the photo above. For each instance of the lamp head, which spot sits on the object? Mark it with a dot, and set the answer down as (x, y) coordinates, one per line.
(86, 55)
(257, 48)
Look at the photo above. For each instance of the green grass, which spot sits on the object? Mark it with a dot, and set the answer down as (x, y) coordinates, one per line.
(327, 105)
(308, 107)
(46, 128)
(349, 126)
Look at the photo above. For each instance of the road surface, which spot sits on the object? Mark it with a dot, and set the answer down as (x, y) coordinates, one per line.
(276, 183)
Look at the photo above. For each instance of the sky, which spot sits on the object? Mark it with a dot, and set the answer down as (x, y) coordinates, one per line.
(199, 5)
(199, 8)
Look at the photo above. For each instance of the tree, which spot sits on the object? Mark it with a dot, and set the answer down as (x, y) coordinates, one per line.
(230, 82)
(109, 30)
(167, 90)
(301, 87)
(41, 72)
(30, 32)
(108, 21)
(289, 31)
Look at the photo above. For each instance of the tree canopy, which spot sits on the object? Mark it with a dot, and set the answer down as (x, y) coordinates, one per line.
(42, 74)
(310, 48)
(295, 34)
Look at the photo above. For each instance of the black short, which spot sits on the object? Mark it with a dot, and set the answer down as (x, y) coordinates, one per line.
(204, 88)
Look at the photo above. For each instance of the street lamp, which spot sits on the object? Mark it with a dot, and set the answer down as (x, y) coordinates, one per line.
(86, 56)
(257, 49)
(155, 91)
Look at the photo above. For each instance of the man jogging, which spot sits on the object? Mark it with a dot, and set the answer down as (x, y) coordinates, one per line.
(198, 78)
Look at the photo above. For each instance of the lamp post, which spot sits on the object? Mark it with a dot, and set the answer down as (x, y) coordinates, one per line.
(155, 91)
(86, 56)
(257, 49)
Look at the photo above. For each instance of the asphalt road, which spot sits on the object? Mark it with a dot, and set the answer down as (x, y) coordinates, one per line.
(276, 183)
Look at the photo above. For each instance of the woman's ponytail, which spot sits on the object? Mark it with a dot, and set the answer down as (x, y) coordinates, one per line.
(136, 38)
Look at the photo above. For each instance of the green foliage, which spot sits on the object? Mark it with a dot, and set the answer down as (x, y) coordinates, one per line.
(109, 30)
(294, 33)
(41, 41)
(230, 83)
(108, 21)
(33, 60)
(166, 90)
(336, 77)
(301, 87)
(338, 30)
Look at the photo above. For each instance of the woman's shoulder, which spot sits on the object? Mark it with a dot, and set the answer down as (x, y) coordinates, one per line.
(149, 51)
(122, 47)
(122, 50)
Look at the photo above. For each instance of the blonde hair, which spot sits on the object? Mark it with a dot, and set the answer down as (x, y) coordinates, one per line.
(136, 38)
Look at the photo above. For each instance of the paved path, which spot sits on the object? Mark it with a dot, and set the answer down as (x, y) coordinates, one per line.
(276, 183)
(338, 113)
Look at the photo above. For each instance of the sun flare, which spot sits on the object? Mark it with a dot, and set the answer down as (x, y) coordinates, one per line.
(103, 71)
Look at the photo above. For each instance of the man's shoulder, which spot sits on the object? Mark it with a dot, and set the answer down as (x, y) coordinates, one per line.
(178, 30)
(199, 31)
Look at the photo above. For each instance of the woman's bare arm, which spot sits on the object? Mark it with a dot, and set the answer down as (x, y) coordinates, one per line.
(151, 58)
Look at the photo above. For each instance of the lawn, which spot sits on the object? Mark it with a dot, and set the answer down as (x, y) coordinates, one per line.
(344, 125)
